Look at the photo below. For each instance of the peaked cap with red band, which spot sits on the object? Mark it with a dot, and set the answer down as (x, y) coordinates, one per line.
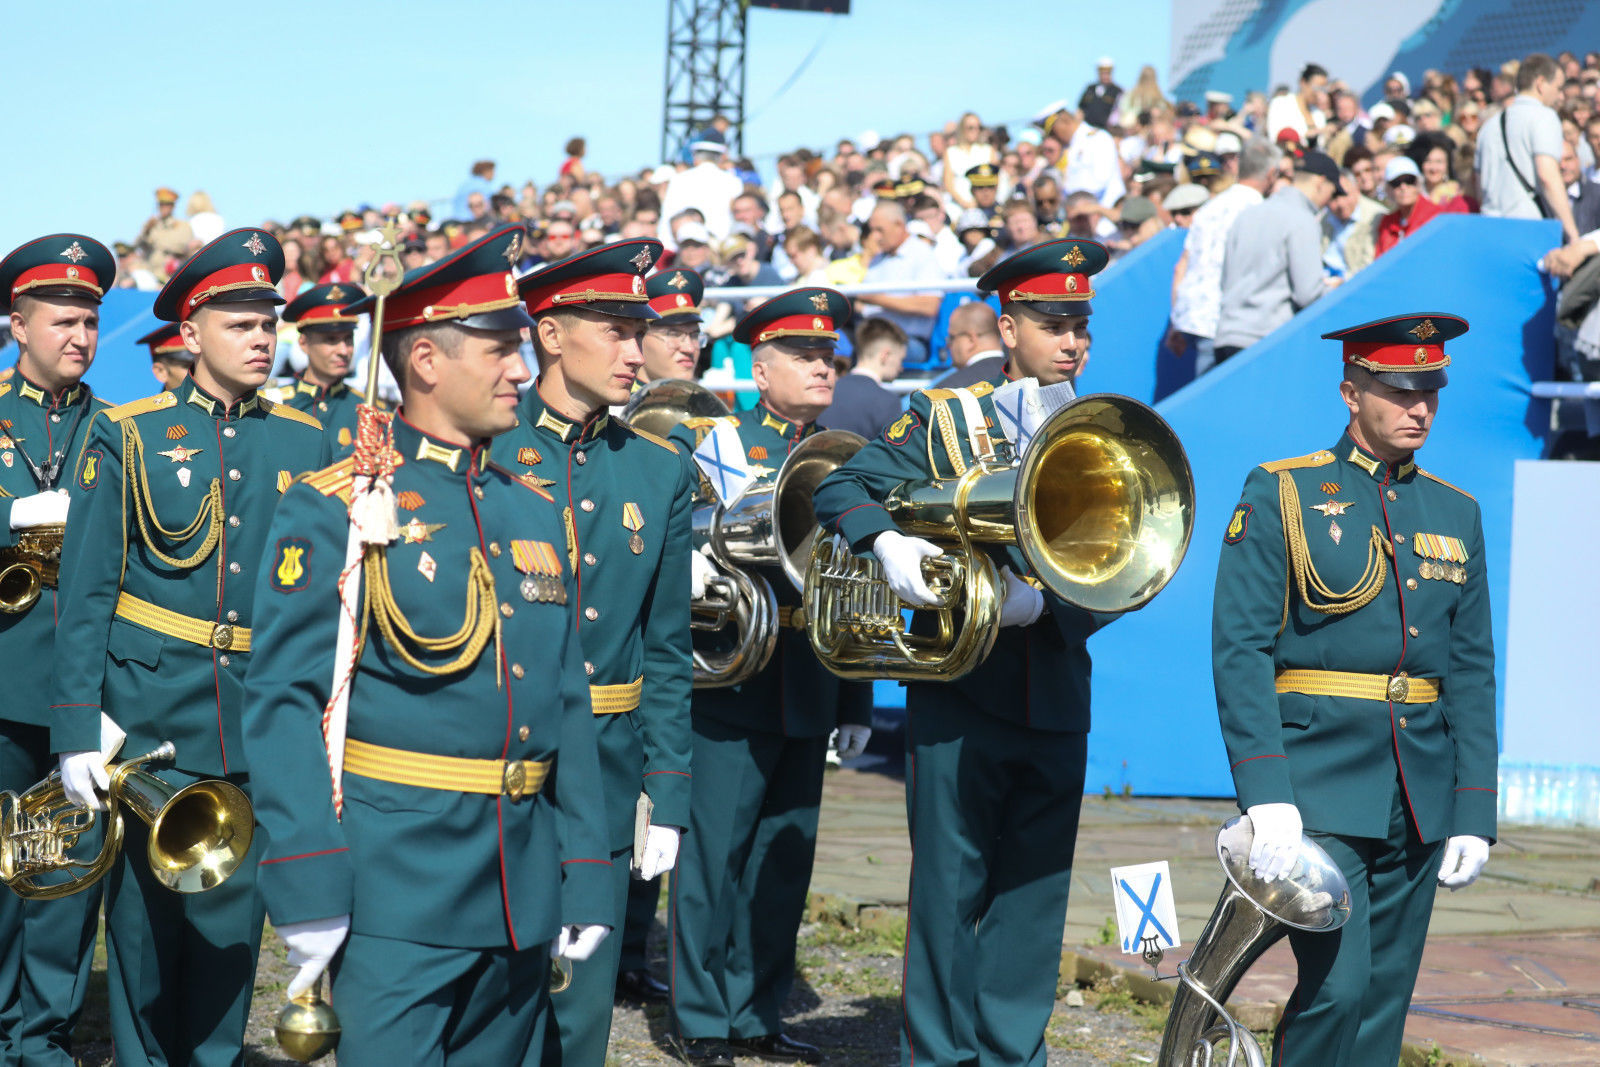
(241, 266)
(325, 307)
(1052, 278)
(472, 286)
(802, 318)
(609, 279)
(165, 340)
(676, 294)
(63, 264)
(1402, 351)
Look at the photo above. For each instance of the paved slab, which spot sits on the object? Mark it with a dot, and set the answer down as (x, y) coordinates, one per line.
(1510, 976)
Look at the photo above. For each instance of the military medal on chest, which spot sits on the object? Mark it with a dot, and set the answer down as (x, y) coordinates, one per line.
(633, 520)
(1332, 508)
(540, 565)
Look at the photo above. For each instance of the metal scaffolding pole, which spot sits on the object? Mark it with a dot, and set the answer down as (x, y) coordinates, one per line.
(705, 72)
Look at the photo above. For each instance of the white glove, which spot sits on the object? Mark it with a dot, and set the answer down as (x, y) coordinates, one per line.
(1464, 860)
(902, 558)
(82, 773)
(578, 942)
(701, 571)
(1023, 602)
(312, 946)
(851, 740)
(1276, 845)
(660, 851)
(40, 509)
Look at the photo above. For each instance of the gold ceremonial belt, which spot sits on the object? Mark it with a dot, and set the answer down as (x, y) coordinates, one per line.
(1395, 688)
(616, 699)
(792, 618)
(514, 778)
(222, 636)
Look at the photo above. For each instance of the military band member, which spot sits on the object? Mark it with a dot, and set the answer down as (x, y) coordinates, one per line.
(626, 497)
(171, 499)
(170, 361)
(671, 342)
(759, 747)
(1355, 684)
(995, 760)
(327, 337)
(52, 288)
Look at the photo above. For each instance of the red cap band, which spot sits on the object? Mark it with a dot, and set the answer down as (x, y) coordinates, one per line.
(462, 299)
(1379, 357)
(674, 304)
(1052, 285)
(797, 326)
(229, 278)
(628, 288)
(56, 274)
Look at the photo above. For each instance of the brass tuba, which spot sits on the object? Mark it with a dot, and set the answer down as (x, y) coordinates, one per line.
(29, 566)
(773, 524)
(1249, 917)
(1101, 507)
(198, 835)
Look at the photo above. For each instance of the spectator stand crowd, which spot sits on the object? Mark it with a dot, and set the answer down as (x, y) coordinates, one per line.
(1283, 197)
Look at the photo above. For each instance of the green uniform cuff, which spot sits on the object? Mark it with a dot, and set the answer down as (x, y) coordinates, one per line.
(1263, 780)
(669, 797)
(74, 727)
(1475, 813)
(586, 892)
(862, 524)
(316, 885)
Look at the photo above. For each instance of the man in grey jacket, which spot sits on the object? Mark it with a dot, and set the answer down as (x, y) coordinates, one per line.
(1273, 264)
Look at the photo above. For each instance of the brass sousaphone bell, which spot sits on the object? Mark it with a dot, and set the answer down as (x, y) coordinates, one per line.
(1100, 507)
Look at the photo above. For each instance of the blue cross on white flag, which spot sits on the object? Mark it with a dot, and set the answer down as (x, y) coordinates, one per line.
(721, 460)
(1146, 913)
(1024, 405)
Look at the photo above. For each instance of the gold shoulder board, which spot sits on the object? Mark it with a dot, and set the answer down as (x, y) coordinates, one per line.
(1315, 459)
(981, 388)
(336, 480)
(1447, 485)
(140, 407)
(284, 411)
(652, 438)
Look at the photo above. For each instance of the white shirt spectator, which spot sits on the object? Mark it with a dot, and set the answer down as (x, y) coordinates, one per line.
(913, 261)
(1284, 114)
(1093, 166)
(1198, 301)
(708, 189)
(1531, 130)
(207, 226)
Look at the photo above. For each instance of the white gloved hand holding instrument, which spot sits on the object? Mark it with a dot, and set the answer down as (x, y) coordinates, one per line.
(660, 852)
(578, 941)
(312, 946)
(851, 740)
(701, 571)
(1023, 603)
(1276, 844)
(40, 509)
(1464, 859)
(902, 558)
(85, 776)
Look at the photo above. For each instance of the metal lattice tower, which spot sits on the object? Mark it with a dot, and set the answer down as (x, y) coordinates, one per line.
(705, 71)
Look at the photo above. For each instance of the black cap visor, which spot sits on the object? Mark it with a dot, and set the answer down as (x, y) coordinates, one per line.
(1420, 380)
(263, 295)
(1064, 309)
(511, 318)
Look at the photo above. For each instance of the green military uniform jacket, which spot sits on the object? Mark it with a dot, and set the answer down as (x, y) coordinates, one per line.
(1036, 675)
(1357, 520)
(437, 866)
(35, 425)
(171, 500)
(332, 405)
(627, 499)
(794, 695)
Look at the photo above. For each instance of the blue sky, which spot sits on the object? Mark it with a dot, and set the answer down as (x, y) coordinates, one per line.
(281, 108)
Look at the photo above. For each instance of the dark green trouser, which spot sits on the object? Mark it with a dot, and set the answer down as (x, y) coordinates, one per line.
(993, 811)
(181, 967)
(582, 1011)
(1349, 1008)
(427, 1006)
(739, 891)
(46, 946)
(643, 898)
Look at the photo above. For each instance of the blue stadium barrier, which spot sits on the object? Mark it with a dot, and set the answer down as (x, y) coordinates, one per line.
(121, 370)
(1131, 303)
(1155, 724)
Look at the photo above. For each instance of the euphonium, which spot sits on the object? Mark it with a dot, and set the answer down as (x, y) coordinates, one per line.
(30, 566)
(198, 834)
(1249, 917)
(1100, 506)
(662, 404)
(773, 524)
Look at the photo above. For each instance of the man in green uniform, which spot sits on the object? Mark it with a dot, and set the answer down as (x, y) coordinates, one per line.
(1356, 686)
(327, 337)
(52, 288)
(171, 499)
(462, 833)
(994, 760)
(626, 497)
(170, 361)
(760, 747)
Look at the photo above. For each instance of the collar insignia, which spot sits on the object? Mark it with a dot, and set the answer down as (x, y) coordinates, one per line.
(449, 457)
(559, 427)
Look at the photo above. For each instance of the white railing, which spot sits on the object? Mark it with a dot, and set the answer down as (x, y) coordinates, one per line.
(1567, 390)
(765, 292)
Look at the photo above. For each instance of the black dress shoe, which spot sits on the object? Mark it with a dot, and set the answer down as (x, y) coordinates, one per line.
(640, 987)
(705, 1051)
(778, 1047)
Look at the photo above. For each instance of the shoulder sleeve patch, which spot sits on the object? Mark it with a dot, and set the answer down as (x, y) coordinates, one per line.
(1315, 459)
(1239, 526)
(284, 411)
(89, 469)
(140, 407)
(1441, 481)
(291, 565)
(900, 429)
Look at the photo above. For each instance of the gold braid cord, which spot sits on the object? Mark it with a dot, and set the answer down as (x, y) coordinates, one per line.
(210, 513)
(479, 623)
(1305, 575)
(946, 423)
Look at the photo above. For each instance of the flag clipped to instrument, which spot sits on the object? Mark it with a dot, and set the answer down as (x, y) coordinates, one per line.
(720, 458)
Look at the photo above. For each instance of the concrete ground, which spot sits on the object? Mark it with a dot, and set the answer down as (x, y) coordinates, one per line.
(1511, 974)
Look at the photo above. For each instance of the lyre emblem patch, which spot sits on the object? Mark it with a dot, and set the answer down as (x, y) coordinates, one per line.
(291, 565)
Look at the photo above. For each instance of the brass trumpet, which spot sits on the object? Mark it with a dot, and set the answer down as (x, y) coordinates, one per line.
(29, 566)
(198, 835)
(1100, 506)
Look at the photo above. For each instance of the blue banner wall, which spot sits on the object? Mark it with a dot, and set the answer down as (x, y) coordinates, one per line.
(1131, 304)
(1155, 725)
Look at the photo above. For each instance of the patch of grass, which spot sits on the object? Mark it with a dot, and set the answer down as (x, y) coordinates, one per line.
(1110, 995)
(884, 937)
